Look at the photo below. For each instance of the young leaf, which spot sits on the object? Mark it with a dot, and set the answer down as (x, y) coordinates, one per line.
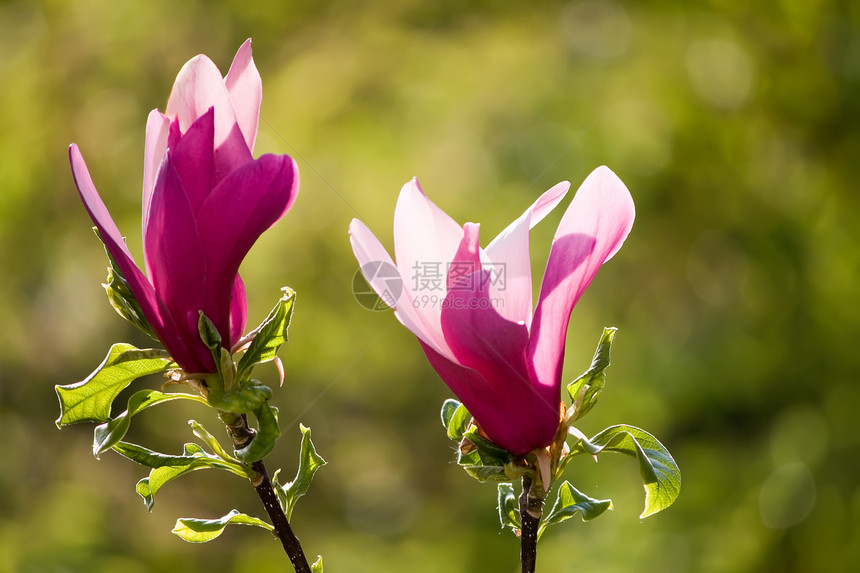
(112, 431)
(242, 400)
(449, 406)
(90, 400)
(210, 336)
(509, 511)
(487, 462)
(569, 501)
(660, 474)
(166, 468)
(212, 442)
(458, 422)
(267, 433)
(309, 462)
(203, 530)
(317, 566)
(270, 335)
(585, 390)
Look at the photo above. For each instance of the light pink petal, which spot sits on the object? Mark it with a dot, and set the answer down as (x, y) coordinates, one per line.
(510, 261)
(246, 92)
(152, 307)
(425, 241)
(375, 264)
(175, 261)
(238, 312)
(592, 230)
(198, 87)
(157, 130)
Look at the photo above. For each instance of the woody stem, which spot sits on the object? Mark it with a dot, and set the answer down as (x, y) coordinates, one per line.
(242, 434)
(531, 507)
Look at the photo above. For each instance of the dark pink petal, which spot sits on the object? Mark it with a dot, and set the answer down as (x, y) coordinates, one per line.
(592, 230)
(157, 129)
(198, 87)
(153, 309)
(508, 423)
(175, 261)
(238, 311)
(483, 340)
(229, 222)
(425, 240)
(509, 255)
(246, 92)
(193, 159)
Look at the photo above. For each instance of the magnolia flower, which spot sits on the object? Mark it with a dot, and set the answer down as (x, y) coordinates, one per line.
(206, 200)
(500, 358)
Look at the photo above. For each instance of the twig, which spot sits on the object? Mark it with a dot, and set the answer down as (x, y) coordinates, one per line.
(531, 507)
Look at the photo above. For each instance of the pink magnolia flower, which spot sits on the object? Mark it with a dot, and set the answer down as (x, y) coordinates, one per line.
(206, 200)
(501, 359)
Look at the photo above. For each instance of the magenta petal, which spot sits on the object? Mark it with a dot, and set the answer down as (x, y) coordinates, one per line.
(237, 211)
(509, 254)
(238, 311)
(151, 306)
(193, 159)
(175, 261)
(246, 92)
(592, 230)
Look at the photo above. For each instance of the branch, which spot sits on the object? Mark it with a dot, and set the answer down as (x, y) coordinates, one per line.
(530, 511)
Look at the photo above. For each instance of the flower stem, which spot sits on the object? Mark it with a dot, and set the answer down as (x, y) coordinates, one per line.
(531, 506)
(241, 434)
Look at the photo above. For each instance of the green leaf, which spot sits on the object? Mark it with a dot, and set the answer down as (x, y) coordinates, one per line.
(212, 442)
(166, 468)
(317, 566)
(112, 431)
(309, 462)
(267, 433)
(247, 398)
(487, 462)
(90, 400)
(569, 501)
(203, 530)
(585, 390)
(270, 335)
(660, 474)
(121, 297)
(509, 511)
(456, 418)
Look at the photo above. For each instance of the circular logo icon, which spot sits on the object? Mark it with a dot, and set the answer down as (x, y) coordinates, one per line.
(382, 273)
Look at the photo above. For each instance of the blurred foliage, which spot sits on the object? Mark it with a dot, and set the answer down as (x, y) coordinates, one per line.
(733, 123)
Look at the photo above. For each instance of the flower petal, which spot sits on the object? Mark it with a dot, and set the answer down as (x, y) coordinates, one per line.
(483, 340)
(370, 254)
(157, 130)
(246, 92)
(592, 230)
(425, 238)
(193, 159)
(238, 311)
(175, 261)
(198, 87)
(509, 254)
(152, 307)
(246, 203)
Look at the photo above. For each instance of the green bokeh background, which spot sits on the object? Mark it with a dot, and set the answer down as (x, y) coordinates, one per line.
(734, 124)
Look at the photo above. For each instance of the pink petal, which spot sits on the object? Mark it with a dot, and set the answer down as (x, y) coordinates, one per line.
(175, 261)
(246, 203)
(425, 239)
(152, 307)
(193, 159)
(509, 254)
(157, 129)
(238, 312)
(592, 230)
(369, 252)
(508, 423)
(246, 92)
(199, 87)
